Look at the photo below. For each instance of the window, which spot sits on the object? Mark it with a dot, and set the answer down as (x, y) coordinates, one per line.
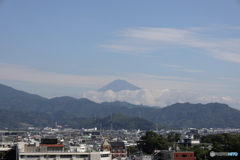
(49, 156)
(33, 156)
(81, 156)
(22, 156)
(184, 155)
(104, 155)
(65, 156)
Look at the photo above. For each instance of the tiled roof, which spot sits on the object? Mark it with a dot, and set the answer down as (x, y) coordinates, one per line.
(117, 144)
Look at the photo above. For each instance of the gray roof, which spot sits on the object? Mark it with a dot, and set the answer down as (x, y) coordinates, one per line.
(117, 144)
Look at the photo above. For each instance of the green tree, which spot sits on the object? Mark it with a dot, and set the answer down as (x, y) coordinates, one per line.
(173, 137)
(196, 136)
(177, 137)
(170, 137)
(199, 152)
(223, 143)
(131, 150)
(152, 141)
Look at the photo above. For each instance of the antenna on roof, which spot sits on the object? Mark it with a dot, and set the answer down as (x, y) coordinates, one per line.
(170, 148)
(177, 149)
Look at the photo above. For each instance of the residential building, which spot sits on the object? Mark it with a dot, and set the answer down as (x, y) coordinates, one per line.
(53, 150)
(188, 142)
(173, 155)
(118, 149)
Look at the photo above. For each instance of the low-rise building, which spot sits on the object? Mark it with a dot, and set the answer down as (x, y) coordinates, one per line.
(118, 149)
(57, 151)
(188, 142)
(173, 155)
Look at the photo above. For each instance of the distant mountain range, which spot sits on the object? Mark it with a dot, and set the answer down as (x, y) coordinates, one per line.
(119, 85)
(19, 104)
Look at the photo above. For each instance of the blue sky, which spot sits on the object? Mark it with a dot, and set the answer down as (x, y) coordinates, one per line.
(56, 48)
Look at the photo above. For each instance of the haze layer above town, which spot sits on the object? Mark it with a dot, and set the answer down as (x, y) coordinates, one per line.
(181, 51)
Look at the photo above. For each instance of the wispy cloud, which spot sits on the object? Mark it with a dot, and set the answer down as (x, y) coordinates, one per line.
(224, 26)
(190, 70)
(25, 74)
(176, 83)
(128, 49)
(230, 79)
(181, 68)
(173, 66)
(146, 39)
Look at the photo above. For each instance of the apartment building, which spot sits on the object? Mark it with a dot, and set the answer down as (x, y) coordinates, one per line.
(53, 150)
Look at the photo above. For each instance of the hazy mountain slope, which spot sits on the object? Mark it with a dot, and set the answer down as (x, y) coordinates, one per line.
(11, 98)
(9, 92)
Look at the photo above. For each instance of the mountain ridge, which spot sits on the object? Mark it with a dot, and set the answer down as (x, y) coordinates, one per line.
(178, 115)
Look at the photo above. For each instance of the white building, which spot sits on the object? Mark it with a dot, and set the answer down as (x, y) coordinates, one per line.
(57, 152)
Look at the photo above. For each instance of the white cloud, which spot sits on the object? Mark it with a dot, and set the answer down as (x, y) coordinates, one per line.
(145, 39)
(157, 97)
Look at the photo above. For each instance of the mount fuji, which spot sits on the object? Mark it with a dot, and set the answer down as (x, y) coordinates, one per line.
(119, 85)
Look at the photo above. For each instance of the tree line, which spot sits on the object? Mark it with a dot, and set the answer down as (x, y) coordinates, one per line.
(220, 143)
